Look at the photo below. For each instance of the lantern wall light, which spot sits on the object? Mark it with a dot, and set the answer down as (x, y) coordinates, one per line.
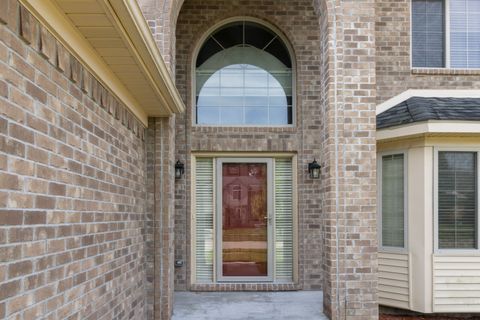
(179, 170)
(314, 169)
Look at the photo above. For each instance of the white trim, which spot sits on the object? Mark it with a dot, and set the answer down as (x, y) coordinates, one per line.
(193, 80)
(436, 250)
(426, 93)
(431, 126)
(405, 247)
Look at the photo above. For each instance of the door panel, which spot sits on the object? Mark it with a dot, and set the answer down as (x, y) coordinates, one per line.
(245, 245)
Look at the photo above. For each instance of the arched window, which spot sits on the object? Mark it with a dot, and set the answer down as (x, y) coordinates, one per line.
(244, 77)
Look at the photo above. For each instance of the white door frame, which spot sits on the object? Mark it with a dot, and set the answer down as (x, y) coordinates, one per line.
(219, 218)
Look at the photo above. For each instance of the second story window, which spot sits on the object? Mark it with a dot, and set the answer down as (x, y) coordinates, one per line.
(244, 77)
(446, 33)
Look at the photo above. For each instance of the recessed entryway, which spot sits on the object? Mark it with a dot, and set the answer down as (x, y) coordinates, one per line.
(298, 305)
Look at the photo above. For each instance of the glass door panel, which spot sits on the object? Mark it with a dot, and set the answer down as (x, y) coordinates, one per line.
(245, 220)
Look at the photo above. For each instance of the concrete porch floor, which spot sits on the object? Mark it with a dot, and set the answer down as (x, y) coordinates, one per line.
(297, 305)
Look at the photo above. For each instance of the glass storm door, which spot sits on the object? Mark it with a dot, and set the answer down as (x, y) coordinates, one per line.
(244, 219)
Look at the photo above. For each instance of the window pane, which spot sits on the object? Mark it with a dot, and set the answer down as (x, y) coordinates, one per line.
(457, 197)
(250, 91)
(231, 115)
(428, 35)
(465, 33)
(208, 115)
(251, 73)
(393, 201)
(255, 115)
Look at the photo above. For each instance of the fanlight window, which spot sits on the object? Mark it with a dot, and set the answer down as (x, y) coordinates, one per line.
(244, 77)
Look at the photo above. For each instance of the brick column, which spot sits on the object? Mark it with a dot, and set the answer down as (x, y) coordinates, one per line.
(350, 235)
(159, 228)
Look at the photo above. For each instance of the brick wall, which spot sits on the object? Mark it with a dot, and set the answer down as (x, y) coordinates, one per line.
(394, 74)
(299, 23)
(72, 185)
(160, 222)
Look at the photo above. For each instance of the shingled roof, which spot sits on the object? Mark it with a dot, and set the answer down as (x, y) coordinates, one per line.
(417, 109)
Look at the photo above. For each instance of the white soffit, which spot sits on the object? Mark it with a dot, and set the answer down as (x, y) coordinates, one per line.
(112, 39)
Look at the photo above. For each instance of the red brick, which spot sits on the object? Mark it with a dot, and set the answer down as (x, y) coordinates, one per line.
(44, 202)
(20, 235)
(3, 89)
(10, 181)
(10, 253)
(11, 217)
(35, 217)
(20, 268)
(9, 289)
(56, 189)
(36, 92)
(48, 45)
(22, 66)
(21, 133)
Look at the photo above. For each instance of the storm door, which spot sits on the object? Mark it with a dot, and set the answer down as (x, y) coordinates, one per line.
(244, 219)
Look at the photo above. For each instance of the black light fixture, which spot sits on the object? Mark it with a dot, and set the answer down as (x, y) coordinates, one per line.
(314, 169)
(179, 169)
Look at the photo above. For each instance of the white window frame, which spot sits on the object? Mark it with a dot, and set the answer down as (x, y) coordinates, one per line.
(193, 80)
(405, 247)
(447, 41)
(436, 150)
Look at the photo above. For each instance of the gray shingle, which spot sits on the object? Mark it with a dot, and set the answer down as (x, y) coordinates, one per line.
(417, 109)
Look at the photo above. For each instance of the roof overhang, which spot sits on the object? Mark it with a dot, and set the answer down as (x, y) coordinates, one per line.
(426, 93)
(429, 127)
(113, 41)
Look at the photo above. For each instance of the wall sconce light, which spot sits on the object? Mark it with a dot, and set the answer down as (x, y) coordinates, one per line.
(179, 169)
(314, 169)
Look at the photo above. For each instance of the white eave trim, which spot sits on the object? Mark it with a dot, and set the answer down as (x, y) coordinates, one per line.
(429, 127)
(390, 103)
(130, 20)
(141, 40)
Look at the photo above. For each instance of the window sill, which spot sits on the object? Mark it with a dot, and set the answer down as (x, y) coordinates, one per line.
(393, 250)
(457, 252)
(445, 71)
(244, 129)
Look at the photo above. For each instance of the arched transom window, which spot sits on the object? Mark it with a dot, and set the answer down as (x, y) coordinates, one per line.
(244, 77)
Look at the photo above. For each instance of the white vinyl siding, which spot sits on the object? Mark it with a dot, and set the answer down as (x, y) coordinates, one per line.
(283, 220)
(394, 280)
(204, 233)
(457, 200)
(456, 283)
(393, 201)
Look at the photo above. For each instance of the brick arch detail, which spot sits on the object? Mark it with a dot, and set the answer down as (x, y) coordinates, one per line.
(348, 186)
